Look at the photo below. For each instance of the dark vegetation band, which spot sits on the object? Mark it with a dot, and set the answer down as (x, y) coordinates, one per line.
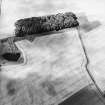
(38, 25)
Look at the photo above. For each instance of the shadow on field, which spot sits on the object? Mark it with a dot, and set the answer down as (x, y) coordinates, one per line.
(86, 96)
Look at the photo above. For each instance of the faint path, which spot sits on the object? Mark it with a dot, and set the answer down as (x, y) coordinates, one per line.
(95, 43)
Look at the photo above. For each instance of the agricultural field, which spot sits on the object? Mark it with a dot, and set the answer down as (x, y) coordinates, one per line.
(53, 67)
